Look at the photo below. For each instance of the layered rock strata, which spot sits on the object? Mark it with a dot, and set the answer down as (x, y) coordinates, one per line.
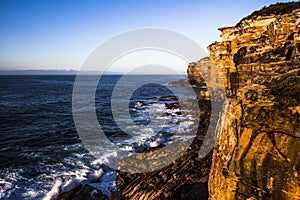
(258, 49)
(257, 155)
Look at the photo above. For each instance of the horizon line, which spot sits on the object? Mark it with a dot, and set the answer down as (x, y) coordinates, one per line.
(73, 72)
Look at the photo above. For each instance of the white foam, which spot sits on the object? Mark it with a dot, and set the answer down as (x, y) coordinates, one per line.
(95, 175)
(186, 123)
(148, 131)
(7, 185)
(30, 194)
(126, 148)
(138, 105)
(158, 108)
(176, 110)
(69, 185)
(163, 117)
(154, 144)
(54, 192)
(107, 183)
(105, 157)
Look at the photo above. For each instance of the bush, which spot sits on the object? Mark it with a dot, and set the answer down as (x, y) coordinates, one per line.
(276, 9)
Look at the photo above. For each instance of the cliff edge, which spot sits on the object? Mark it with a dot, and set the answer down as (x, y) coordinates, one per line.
(257, 155)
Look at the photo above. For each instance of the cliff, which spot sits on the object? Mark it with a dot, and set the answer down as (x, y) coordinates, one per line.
(257, 155)
(258, 48)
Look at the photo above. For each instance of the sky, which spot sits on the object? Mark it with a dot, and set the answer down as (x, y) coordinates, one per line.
(60, 34)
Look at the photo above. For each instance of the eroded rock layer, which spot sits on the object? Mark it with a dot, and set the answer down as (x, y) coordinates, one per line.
(258, 48)
(257, 155)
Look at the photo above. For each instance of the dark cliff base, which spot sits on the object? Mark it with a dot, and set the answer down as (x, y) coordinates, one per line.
(82, 193)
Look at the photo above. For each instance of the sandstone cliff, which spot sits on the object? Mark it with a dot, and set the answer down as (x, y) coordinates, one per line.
(257, 155)
(258, 48)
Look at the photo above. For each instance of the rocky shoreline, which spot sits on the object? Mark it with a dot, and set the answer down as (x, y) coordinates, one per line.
(256, 156)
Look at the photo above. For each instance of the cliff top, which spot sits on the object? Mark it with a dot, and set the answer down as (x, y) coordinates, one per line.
(273, 9)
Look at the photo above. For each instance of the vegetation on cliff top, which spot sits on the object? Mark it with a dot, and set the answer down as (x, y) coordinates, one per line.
(276, 9)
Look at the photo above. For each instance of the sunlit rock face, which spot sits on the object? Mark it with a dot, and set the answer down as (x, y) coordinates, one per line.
(258, 152)
(195, 74)
(258, 49)
(257, 155)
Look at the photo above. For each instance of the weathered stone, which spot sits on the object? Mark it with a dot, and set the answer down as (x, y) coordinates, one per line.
(258, 151)
(257, 155)
(81, 192)
(258, 49)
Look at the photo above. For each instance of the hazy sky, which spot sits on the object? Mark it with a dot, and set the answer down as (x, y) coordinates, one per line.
(60, 34)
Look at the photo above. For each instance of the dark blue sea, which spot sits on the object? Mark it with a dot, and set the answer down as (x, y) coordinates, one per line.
(41, 151)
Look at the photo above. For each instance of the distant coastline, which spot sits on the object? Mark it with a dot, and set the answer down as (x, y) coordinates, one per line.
(51, 72)
(67, 72)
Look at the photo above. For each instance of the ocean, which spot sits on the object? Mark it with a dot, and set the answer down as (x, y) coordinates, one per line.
(39, 143)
